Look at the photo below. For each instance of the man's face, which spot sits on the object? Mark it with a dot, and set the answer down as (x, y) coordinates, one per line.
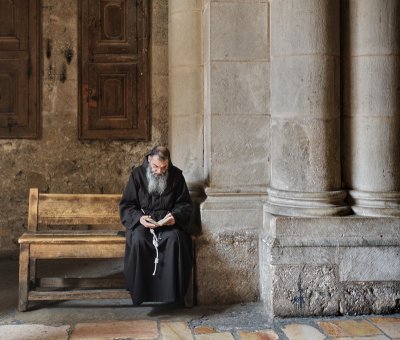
(157, 166)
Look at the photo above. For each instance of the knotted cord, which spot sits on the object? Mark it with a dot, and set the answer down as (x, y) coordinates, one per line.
(155, 244)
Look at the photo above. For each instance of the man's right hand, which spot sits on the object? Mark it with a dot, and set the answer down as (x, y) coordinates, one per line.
(146, 224)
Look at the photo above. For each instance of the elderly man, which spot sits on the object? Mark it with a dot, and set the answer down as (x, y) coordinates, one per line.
(155, 209)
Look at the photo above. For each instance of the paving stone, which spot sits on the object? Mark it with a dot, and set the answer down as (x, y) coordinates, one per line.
(339, 328)
(33, 332)
(266, 334)
(175, 331)
(204, 330)
(215, 336)
(302, 332)
(137, 329)
(390, 326)
(375, 337)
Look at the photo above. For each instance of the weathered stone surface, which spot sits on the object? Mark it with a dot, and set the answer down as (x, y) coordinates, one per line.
(239, 140)
(380, 174)
(305, 290)
(222, 256)
(369, 264)
(371, 107)
(185, 28)
(369, 38)
(240, 31)
(356, 272)
(239, 88)
(370, 297)
(191, 137)
(305, 86)
(303, 27)
(186, 91)
(306, 145)
(34, 332)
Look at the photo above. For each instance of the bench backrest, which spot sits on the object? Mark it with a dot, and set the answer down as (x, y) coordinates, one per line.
(73, 210)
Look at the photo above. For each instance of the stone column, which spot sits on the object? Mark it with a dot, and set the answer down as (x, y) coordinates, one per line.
(372, 107)
(185, 60)
(305, 109)
(236, 130)
(186, 87)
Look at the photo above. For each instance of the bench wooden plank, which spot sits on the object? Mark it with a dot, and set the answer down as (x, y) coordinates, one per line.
(77, 250)
(71, 238)
(79, 294)
(23, 277)
(89, 282)
(33, 209)
(73, 209)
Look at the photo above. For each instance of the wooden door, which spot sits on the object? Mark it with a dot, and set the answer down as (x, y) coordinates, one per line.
(19, 69)
(114, 71)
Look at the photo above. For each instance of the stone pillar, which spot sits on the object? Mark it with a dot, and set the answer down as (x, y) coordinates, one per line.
(186, 88)
(305, 109)
(372, 107)
(236, 130)
(185, 60)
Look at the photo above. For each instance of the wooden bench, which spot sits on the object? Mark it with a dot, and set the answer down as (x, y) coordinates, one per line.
(102, 238)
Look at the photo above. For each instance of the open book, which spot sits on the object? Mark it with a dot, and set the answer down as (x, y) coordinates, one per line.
(160, 222)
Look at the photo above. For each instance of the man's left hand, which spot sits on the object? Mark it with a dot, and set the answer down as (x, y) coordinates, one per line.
(171, 219)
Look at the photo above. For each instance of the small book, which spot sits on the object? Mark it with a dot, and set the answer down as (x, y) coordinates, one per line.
(160, 222)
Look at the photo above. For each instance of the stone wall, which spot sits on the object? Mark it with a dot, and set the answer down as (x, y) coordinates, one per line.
(330, 265)
(58, 161)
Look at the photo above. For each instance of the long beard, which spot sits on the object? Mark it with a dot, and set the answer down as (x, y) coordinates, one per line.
(157, 184)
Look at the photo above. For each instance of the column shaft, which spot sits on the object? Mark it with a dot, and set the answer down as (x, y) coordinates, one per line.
(305, 109)
(372, 107)
(186, 108)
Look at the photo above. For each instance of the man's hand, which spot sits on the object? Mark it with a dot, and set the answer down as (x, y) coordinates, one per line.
(143, 222)
(170, 219)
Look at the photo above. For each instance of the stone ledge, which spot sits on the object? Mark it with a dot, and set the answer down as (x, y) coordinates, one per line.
(329, 265)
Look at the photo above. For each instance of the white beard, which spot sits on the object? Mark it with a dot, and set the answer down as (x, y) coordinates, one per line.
(157, 184)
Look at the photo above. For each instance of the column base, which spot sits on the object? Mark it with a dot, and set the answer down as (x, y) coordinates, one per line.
(296, 203)
(376, 204)
(329, 266)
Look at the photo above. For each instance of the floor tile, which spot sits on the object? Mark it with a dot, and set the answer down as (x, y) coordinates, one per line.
(33, 332)
(137, 329)
(374, 337)
(259, 335)
(204, 330)
(175, 331)
(215, 336)
(340, 328)
(302, 332)
(390, 326)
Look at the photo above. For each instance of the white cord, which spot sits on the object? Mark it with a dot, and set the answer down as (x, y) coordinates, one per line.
(155, 244)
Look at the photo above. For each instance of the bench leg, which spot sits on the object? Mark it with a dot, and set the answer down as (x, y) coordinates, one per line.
(32, 272)
(23, 277)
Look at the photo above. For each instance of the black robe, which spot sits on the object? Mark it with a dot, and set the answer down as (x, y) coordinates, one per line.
(170, 282)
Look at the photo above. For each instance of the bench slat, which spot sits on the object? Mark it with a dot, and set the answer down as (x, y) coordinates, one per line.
(89, 250)
(89, 282)
(71, 239)
(73, 209)
(79, 294)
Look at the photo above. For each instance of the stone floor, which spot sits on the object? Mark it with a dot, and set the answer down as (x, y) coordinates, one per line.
(118, 320)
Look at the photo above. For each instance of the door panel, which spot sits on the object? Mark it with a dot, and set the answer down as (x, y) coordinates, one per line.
(114, 70)
(19, 69)
(113, 96)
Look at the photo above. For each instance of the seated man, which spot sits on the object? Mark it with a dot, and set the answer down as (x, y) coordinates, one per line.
(158, 258)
